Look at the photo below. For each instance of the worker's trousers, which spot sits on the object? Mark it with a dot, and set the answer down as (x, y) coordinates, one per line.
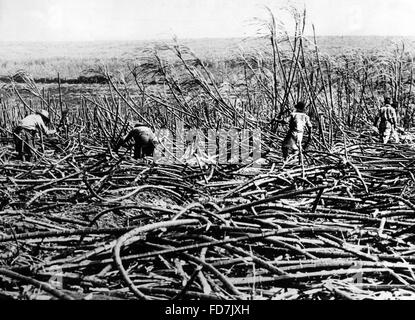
(25, 143)
(292, 144)
(386, 132)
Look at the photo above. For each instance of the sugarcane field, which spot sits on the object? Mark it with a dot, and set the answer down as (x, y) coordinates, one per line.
(284, 170)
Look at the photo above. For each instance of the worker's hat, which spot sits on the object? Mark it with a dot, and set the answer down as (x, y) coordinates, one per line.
(300, 106)
(44, 114)
(136, 124)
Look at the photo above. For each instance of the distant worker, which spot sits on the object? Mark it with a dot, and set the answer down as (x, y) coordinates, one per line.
(26, 132)
(144, 140)
(298, 122)
(388, 121)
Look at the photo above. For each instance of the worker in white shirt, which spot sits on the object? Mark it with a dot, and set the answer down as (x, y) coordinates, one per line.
(387, 121)
(298, 122)
(26, 131)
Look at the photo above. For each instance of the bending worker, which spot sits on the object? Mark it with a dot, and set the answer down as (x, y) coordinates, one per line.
(144, 140)
(26, 132)
(298, 122)
(388, 121)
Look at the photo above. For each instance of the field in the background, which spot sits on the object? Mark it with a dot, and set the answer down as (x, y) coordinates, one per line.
(45, 60)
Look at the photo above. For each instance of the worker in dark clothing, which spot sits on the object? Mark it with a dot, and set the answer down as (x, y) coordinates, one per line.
(144, 140)
(299, 121)
(26, 131)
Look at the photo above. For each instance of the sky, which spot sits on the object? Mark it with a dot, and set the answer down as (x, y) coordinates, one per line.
(101, 20)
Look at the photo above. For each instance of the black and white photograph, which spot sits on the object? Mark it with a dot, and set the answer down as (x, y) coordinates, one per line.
(219, 152)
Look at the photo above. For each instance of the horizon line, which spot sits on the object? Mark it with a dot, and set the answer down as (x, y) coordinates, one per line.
(198, 38)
